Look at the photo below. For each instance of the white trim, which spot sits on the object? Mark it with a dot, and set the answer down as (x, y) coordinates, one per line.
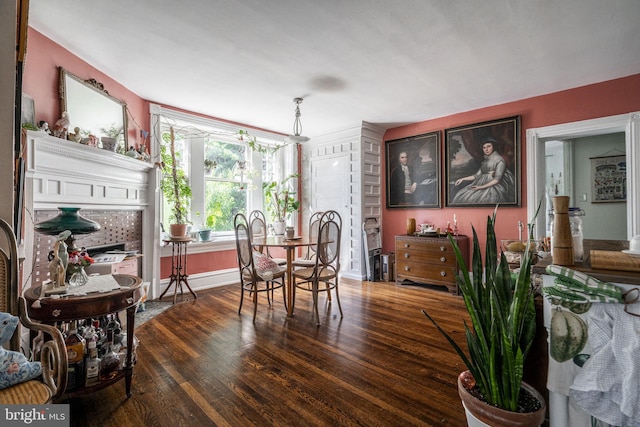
(536, 137)
(202, 281)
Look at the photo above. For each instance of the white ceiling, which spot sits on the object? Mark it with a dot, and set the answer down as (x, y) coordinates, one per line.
(380, 61)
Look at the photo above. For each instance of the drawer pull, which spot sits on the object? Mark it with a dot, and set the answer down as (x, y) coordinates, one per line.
(406, 245)
(56, 312)
(406, 255)
(130, 300)
(443, 273)
(406, 268)
(443, 259)
(443, 248)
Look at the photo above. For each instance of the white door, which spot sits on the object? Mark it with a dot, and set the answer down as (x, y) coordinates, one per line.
(330, 190)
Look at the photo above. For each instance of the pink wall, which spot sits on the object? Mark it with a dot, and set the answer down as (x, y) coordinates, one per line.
(598, 100)
(40, 81)
(41, 78)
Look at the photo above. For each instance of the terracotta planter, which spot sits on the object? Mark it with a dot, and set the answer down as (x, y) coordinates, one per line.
(178, 230)
(481, 414)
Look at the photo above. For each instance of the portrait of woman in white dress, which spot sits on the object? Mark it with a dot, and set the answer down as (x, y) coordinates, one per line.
(482, 164)
(492, 183)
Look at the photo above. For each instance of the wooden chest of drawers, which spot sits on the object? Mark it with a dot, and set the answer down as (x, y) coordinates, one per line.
(429, 260)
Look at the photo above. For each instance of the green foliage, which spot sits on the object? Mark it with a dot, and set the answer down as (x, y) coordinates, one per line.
(503, 317)
(208, 222)
(279, 198)
(29, 126)
(174, 184)
(253, 143)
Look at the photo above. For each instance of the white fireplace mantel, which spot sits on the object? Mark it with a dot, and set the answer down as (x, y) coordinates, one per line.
(65, 173)
(70, 173)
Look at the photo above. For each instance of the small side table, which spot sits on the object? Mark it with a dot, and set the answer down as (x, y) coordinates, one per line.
(178, 266)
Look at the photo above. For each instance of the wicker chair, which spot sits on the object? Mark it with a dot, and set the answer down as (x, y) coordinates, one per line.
(52, 354)
(251, 279)
(327, 262)
(258, 228)
(308, 259)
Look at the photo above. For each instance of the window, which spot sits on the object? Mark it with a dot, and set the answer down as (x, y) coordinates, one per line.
(225, 174)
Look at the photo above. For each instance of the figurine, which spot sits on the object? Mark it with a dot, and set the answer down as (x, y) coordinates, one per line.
(44, 127)
(75, 136)
(56, 268)
(93, 141)
(62, 126)
(132, 153)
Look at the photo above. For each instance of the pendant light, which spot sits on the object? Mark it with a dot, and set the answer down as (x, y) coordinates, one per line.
(297, 126)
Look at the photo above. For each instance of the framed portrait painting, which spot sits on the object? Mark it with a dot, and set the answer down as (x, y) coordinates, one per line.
(413, 171)
(482, 163)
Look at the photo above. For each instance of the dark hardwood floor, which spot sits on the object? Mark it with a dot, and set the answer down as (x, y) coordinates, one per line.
(201, 364)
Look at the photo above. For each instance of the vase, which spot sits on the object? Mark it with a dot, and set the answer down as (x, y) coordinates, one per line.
(278, 228)
(481, 414)
(78, 278)
(411, 226)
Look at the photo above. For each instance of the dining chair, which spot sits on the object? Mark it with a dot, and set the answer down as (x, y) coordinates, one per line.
(308, 259)
(258, 272)
(52, 354)
(258, 228)
(327, 262)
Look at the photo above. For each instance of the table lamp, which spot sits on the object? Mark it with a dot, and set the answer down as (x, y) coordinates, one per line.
(67, 219)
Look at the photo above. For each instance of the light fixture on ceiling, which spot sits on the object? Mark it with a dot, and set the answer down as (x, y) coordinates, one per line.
(297, 126)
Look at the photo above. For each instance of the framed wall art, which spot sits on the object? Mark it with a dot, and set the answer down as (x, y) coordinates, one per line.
(609, 179)
(482, 163)
(28, 110)
(413, 171)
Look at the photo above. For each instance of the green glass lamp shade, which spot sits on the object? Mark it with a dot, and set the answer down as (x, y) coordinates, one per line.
(67, 219)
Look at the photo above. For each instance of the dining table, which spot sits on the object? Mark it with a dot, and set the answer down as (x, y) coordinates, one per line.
(290, 246)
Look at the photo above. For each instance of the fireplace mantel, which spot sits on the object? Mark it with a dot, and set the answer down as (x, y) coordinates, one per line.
(65, 173)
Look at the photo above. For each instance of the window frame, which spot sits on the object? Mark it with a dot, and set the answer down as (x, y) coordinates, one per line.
(224, 132)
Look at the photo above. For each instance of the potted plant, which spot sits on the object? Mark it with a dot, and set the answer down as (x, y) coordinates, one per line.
(206, 226)
(503, 326)
(209, 166)
(176, 190)
(280, 201)
(111, 140)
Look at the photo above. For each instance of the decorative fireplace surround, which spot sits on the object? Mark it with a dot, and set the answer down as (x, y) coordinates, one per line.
(112, 189)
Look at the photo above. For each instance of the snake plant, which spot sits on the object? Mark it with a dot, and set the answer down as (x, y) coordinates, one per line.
(502, 313)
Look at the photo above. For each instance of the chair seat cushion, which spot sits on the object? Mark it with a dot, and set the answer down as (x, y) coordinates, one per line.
(266, 268)
(308, 274)
(15, 368)
(27, 393)
(301, 262)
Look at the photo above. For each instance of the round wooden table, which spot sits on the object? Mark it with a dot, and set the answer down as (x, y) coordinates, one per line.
(77, 307)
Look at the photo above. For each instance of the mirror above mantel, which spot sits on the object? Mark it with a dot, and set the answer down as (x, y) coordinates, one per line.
(92, 109)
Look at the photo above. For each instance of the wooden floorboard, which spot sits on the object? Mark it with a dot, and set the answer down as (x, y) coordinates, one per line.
(382, 364)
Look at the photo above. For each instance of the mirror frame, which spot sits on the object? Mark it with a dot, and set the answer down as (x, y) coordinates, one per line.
(97, 87)
(536, 137)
